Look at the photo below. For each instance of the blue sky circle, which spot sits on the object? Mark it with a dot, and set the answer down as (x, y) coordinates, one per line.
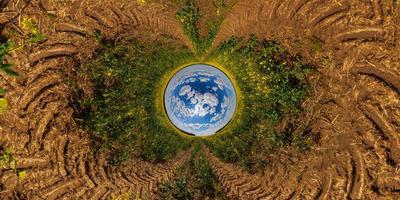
(200, 100)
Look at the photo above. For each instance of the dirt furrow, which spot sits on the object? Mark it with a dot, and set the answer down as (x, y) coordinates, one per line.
(356, 157)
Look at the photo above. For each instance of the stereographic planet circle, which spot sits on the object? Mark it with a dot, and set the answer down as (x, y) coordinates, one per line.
(200, 100)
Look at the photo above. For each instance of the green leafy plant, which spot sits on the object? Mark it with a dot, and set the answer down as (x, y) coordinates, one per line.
(34, 35)
(205, 177)
(7, 160)
(5, 49)
(22, 175)
(189, 15)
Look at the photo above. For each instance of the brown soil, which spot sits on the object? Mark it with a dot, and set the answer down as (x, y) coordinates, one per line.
(354, 44)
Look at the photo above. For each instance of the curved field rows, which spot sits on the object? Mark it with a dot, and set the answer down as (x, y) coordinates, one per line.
(39, 126)
(354, 44)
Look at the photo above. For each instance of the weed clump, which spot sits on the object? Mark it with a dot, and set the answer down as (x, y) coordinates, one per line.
(7, 160)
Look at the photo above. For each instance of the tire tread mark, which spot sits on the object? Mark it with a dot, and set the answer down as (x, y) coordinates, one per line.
(388, 77)
(62, 188)
(72, 28)
(65, 50)
(102, 20)
(370, 33)
(36, 89)
(372, 113)
(61, 155)
(328, 12)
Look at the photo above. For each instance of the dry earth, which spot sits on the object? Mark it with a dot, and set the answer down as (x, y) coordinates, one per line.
(354, 44)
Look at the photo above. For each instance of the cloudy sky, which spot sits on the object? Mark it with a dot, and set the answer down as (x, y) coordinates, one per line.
(200, 100)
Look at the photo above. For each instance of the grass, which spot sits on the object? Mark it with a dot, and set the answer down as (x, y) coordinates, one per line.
(273, 84)
(122, 114)
(195, 180)
(33, 36)
(189, 16)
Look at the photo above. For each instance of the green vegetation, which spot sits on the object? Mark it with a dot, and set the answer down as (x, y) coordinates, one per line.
(7, 160)
(33, 36)
(5, 50)
(189, 16)
(273, 84)
(178, 189)
(33, 33)
(5, 66)
(3, 105)
(206, 179)
(195, 180)
(124, 196)
(122, 113)
(122, 116)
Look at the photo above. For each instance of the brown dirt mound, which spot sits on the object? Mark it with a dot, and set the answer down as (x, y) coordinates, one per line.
(39, 125)
(354, 45)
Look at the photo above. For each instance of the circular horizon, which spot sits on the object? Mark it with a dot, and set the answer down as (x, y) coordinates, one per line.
(200, 100)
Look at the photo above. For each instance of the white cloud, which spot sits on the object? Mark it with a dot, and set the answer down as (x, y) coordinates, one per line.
(193, 100)
(194, 126)
(210, 99)
(220, 83)
(225, 103)
(204, 73)
(212, 110)
(204, 104)
(204, 79)
(190, 94)
(184, 90)
(216, 117)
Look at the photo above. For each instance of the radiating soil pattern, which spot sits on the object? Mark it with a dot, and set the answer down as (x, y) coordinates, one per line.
(353, 44)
